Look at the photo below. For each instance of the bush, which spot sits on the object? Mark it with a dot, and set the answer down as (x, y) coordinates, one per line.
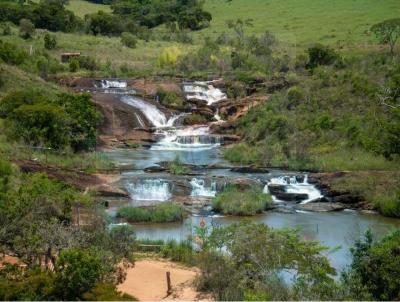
(26, 28)
(194, 119)
(168, 98)
(128, 40)
(74, 65)
(11, 54)
(321, 55)
(241, 203)
(50, 41)
(169, 57)
(164, 212)
(5, 29)
(176, 167)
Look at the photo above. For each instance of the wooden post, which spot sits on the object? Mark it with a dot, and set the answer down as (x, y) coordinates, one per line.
(169, 287)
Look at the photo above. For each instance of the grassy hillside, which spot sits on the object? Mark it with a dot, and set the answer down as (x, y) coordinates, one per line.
(305, 21)
(81, 7)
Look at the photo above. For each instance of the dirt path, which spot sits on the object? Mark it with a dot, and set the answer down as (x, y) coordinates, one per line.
(147, 281)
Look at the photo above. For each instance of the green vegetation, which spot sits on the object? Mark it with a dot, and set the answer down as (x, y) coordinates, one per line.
(163, 212)
(254, 257)
(370, 276)
(380, 189)
(67, 120)
(176, 167)
(63, 260)
(169, 99)
(233, 201)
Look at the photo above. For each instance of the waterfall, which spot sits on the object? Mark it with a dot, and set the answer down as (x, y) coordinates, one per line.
(203, 91)
(149, 190)
(188, 138)
(113, 84)
(295, 185)
(151, 112)
(200, 190)
(140, 121)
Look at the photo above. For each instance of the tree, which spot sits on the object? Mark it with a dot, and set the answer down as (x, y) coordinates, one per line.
(50, 41)
(77, 272)
(26, 28)
(247, 259)
(388, 32)
(374, 267)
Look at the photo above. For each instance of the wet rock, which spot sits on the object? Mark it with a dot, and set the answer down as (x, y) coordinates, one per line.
(296, 197)
(321, 206)
(347, 199)
(249, 169)
(154, 169)
(110, 191)
(244, 183)
(276, 189)
(285, 210)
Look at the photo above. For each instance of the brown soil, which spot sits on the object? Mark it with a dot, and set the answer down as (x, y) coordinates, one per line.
(147, 281)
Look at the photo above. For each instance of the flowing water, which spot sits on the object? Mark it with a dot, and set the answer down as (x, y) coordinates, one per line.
(194, 145)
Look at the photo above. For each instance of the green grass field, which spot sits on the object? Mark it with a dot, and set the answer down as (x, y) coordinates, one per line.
(305, 21)
(300, 22)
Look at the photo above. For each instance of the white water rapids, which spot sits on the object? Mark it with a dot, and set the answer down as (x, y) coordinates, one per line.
(150, 111)
(203, 91)
(292, 185)
(149, 190)
(199, 188)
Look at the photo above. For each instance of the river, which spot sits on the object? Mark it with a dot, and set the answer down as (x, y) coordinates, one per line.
(193, 145)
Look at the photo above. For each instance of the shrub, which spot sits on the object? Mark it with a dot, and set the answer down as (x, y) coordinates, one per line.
(242, 203)
(128, 40)
(169, 98)
(87, 62)
(163, 212)
(321, 55)
(26, 28)
(50, 41)
(74, 65)
(11, 54)
(194, 119)
(176, 167)
(5, 29)
(169, 57)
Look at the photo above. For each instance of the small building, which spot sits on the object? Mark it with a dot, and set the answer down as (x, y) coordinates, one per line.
(67, 56)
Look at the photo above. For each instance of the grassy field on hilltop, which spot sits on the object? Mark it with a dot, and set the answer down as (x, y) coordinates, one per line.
(305, 21)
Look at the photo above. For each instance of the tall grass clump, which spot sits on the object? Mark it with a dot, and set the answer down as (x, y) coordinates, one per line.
(242, 203)
(164, 212)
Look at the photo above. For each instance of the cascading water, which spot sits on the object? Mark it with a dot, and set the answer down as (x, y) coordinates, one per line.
(203, 91)
(140, 121)
(188, 138)
(149, 190)
(151, 112)
(106, 84)
(293, 185)
(199, 188)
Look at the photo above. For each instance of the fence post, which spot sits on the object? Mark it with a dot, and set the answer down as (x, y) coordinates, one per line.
(169, 287)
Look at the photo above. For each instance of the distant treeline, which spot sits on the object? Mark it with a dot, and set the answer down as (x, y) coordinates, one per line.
(127, 15)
